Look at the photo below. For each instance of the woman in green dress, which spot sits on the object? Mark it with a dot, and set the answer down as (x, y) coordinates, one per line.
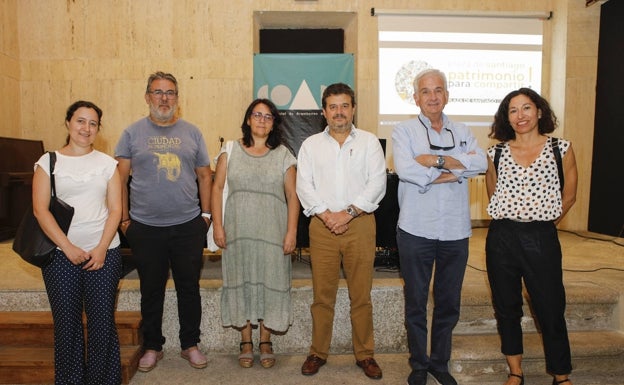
(256, 229)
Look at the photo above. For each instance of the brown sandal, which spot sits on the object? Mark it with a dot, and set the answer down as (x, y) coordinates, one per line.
(246, 360)
(267, 360)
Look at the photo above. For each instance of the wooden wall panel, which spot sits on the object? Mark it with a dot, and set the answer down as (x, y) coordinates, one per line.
(9, 70)
(8, 28)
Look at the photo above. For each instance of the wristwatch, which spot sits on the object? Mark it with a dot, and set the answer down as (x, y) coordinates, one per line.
(351, 211)
(440, 162)
(207, 215)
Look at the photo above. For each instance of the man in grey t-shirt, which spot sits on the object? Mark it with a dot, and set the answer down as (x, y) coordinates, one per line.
(166, 214)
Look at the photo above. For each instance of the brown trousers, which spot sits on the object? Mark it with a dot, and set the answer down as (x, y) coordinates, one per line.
(355, 249)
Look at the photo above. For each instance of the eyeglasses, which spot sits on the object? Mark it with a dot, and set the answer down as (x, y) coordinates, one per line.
(433, 146)
(171, 94)
(259, 116)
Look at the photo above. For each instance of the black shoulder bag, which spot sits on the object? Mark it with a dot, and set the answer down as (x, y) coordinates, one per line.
(30, 241)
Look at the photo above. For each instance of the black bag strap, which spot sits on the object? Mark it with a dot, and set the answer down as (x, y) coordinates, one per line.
(52, 162)
(557, 152)
(498, 149)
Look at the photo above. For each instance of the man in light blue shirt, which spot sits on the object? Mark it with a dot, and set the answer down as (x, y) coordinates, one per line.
(433, 158)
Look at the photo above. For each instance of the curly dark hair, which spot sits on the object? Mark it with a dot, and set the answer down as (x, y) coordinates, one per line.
(275, 136)
(501, 128)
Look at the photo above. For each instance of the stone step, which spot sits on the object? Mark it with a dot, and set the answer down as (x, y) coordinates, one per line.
(478, 358)
(36, 328)
(589, 307)
(35, 364)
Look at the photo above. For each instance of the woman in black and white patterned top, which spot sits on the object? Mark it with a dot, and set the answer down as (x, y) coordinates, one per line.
(528, 198)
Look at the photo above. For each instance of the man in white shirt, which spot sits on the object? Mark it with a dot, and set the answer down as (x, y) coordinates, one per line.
(341, 178)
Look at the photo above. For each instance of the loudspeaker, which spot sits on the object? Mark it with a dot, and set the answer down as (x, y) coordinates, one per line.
(303, 232)
(387, 214)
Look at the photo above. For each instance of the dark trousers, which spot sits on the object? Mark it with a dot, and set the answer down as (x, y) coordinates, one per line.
(418, 257)
(155, 250)
(529, 251)
(70, 291)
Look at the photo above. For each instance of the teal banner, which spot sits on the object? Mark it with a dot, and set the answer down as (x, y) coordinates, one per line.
(295, 83)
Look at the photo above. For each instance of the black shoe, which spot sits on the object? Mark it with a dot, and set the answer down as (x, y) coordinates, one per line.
(442, 378)
(417, 377)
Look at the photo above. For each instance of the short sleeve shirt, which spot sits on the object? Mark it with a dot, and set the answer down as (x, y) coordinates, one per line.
(163, 189)
(82, 182)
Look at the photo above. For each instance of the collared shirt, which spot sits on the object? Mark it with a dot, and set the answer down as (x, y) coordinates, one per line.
(435, 211)
(333, 177)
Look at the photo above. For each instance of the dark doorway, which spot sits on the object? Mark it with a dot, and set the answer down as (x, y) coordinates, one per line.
(606, 207)
(301, 41)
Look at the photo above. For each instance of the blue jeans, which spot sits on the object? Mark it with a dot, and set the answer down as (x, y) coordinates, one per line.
(418, 257)
(155, 250)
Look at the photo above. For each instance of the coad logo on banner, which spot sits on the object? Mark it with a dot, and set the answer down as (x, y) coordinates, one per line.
(295, 83)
